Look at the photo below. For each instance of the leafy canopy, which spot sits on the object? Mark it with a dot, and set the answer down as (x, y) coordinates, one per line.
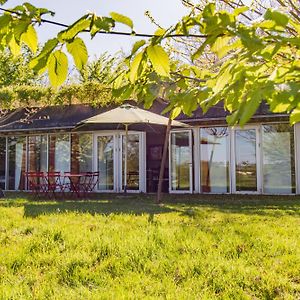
(258, 61)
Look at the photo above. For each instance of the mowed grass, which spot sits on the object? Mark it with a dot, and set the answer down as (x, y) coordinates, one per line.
(192, 247)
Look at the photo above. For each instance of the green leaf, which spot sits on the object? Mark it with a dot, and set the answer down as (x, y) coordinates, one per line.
(79, 52)
(175, 112)
(189, 103)
(101, 23)
(122, 19)
(5, 20)
(14, 46)
(39, 63)
(77, 27)
(222, 80)
(220, 45)
(123, 92)
(134, 67)
(250, 107)
(19, 28)
(57, 68)
(295, 116)
(30, 38)
(160, 32)
(159, 59)
(137, 45)
(240, 10)
(280, 18)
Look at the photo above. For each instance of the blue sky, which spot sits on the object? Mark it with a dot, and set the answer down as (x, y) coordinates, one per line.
(166, 12)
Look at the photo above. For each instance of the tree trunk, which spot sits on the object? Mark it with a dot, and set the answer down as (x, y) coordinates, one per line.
(163, 162)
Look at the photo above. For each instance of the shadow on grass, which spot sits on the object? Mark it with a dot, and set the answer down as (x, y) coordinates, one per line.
(110, 205)
(189, 205)
(269, 205)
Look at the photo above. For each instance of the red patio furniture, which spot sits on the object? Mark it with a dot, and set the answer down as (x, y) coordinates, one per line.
(92, 181)
(54, 183)
(74, 183)
(37, 183)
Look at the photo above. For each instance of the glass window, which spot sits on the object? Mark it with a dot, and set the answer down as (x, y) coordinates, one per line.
(59, 153)
(214, 163)
(37, 153)
(105, 161)
(180, 161)
(278, 159)
(245, 160)
(132, 161)
(2, 161)
(16, 163)
(82, 149)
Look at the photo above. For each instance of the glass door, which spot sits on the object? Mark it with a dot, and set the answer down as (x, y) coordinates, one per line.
(134, 162)
(105, 162)
(181, 169)
(109, 161)
(246, 161)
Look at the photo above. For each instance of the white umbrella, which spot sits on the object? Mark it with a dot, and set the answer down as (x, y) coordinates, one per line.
(128, 114)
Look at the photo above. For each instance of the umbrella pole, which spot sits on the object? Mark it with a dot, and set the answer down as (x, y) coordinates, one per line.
(125, 162)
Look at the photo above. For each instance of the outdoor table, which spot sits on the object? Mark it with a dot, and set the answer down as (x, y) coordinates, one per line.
(76, 184)
(52, 183)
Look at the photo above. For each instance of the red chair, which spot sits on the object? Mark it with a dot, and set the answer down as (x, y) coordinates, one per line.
(54, 183)
(37, 183)
(93, 180)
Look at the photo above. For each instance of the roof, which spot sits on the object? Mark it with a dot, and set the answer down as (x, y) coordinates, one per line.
(65, 117)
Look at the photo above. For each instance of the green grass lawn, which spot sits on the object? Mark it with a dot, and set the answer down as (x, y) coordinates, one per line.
(192, 247)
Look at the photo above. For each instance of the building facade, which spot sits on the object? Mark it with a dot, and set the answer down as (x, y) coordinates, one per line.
(208, 157)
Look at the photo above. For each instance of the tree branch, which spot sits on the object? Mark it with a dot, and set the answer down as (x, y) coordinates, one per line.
(146, 35)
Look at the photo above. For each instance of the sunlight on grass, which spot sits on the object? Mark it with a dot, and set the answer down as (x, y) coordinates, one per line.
(131, 248)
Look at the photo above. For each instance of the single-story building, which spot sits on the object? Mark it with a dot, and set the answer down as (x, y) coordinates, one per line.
(208, 157)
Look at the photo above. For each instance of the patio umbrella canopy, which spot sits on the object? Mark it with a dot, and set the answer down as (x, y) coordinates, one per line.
(127, 115)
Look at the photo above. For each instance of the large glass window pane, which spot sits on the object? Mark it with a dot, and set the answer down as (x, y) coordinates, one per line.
(82, 149)
(16, 163)
(180, 161)
(37, 153)
(278, 159)
(214, 164)
(105, 146)
(245, 160)
(132, 161)
(59, 153)
(2, 161)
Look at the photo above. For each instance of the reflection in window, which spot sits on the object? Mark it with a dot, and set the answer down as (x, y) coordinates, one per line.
(245, 160)
(105, 146)
(16, 163)
(2, 161)
(82, 149)
(59, 153)
(132, 161)
(37, 153)
(278, 159)
(180, 161)
(214, 159)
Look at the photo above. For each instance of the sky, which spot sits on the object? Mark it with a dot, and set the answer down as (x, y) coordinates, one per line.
(165, 12)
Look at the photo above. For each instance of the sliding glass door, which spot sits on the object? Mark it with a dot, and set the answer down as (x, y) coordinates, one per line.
(110, 160)
(105, 162)
(246, 162)
(278, 159)
(181, 162)
(133, 161)
(214, 160)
